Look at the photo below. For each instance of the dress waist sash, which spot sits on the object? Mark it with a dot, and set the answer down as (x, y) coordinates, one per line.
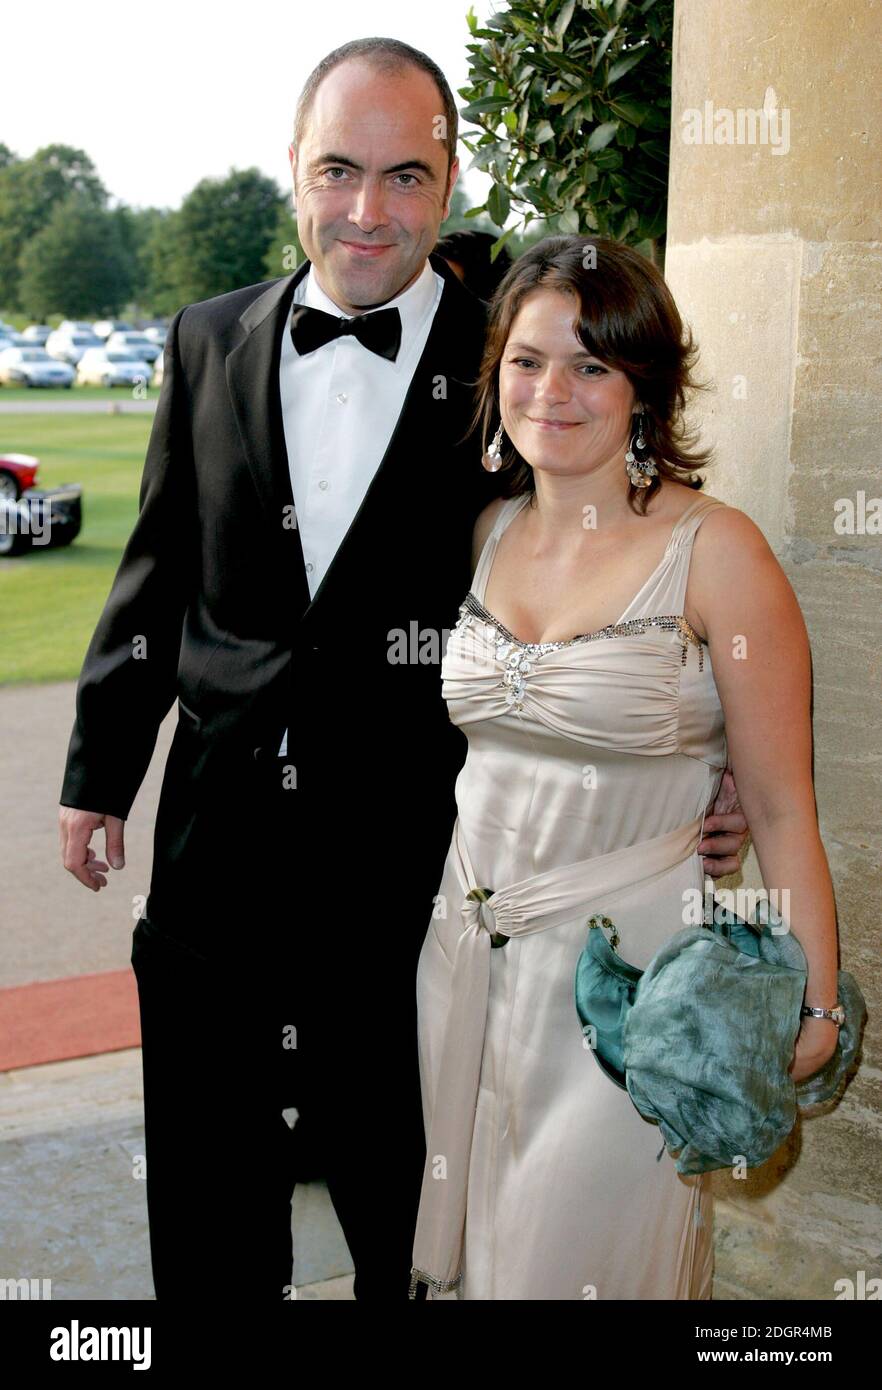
(530, 905)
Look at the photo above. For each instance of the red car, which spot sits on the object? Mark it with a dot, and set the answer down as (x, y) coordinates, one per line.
(17, 472)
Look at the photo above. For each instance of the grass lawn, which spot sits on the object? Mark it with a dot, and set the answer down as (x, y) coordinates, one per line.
(51, 600)
(37, 394)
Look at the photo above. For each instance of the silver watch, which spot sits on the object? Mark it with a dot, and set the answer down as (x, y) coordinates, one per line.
(837, 1015)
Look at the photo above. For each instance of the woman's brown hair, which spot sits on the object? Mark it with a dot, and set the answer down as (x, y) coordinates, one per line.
(628, 319)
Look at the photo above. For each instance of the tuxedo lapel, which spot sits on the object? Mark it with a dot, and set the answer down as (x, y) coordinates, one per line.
(252, 371)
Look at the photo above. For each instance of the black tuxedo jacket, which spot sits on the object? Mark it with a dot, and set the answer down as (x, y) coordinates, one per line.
(210, 605)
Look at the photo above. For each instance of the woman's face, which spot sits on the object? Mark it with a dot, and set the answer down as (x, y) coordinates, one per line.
(564, 410)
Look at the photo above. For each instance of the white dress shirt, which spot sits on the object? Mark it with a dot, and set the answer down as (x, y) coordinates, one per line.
(340, 406)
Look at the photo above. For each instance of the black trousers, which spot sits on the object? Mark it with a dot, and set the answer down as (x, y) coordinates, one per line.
(316, 1018)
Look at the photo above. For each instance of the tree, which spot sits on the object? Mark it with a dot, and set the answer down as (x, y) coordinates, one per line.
(30, 191)
(575, 108)
(77, 265)
(134, 228)
(218, 239)
(155, 271)
(285, 251)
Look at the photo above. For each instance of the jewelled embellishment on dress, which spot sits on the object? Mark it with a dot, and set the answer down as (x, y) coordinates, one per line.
(419, 1276)
(517, 668)
(518, 664)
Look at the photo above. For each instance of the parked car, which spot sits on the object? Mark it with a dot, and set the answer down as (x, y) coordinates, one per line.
(104, 366)
(37, 333)
(17, 472)
(156, 332)
(137, 343)
(74, 326)
(32, 366)
(34, 517)
(69, 347)
(41, 519)
(104, 327)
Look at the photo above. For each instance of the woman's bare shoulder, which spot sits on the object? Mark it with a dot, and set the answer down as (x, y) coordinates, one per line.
(735, 574)
(725, 525)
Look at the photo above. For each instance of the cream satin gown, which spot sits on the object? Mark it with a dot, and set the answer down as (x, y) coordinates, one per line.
(590, 766)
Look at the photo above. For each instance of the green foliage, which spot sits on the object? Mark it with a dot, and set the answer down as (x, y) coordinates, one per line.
(65, 253)
(218, 239)
(286, 251)
(77, 264)
(137, 226)
(30, 191)
(574, 103)
(464, 217)
(154, 270)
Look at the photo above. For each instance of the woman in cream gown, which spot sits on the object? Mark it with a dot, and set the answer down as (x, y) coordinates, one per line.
(591, 764)
(610, 753)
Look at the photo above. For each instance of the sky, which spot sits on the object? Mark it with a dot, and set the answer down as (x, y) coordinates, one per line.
(182, 90)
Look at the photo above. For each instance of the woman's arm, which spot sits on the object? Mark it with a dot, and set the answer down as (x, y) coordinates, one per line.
(762, 666)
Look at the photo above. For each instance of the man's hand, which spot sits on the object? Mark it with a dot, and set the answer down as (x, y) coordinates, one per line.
(725, 831)
(76, 832)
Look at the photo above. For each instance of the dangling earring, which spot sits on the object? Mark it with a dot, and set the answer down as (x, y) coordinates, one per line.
(492, 459)
(640, 471)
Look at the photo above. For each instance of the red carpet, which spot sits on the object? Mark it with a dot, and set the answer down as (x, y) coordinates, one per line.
(78, 1017)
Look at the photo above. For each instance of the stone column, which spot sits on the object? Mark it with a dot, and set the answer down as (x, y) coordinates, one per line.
(774, 258)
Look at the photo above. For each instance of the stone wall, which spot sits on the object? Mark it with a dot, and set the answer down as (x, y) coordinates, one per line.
(774, 257)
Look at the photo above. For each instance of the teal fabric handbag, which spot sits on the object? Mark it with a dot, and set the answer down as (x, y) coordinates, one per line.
(703, 1037)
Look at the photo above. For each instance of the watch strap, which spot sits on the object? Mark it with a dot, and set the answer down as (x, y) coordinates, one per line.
(836, 1015)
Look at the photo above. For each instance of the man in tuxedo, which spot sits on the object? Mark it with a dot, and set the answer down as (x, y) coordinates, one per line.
(302, 546)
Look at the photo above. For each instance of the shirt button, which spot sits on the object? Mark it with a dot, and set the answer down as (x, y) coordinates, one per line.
(324, 484)
(342, 397)
(309, 567)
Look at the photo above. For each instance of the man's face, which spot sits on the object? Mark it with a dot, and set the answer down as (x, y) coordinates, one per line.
(371, 174)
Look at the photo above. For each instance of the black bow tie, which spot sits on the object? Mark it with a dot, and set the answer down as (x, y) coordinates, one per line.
(380, 331)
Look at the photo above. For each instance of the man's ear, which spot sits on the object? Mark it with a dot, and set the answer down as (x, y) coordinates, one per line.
(292, 160)
(454, 174)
